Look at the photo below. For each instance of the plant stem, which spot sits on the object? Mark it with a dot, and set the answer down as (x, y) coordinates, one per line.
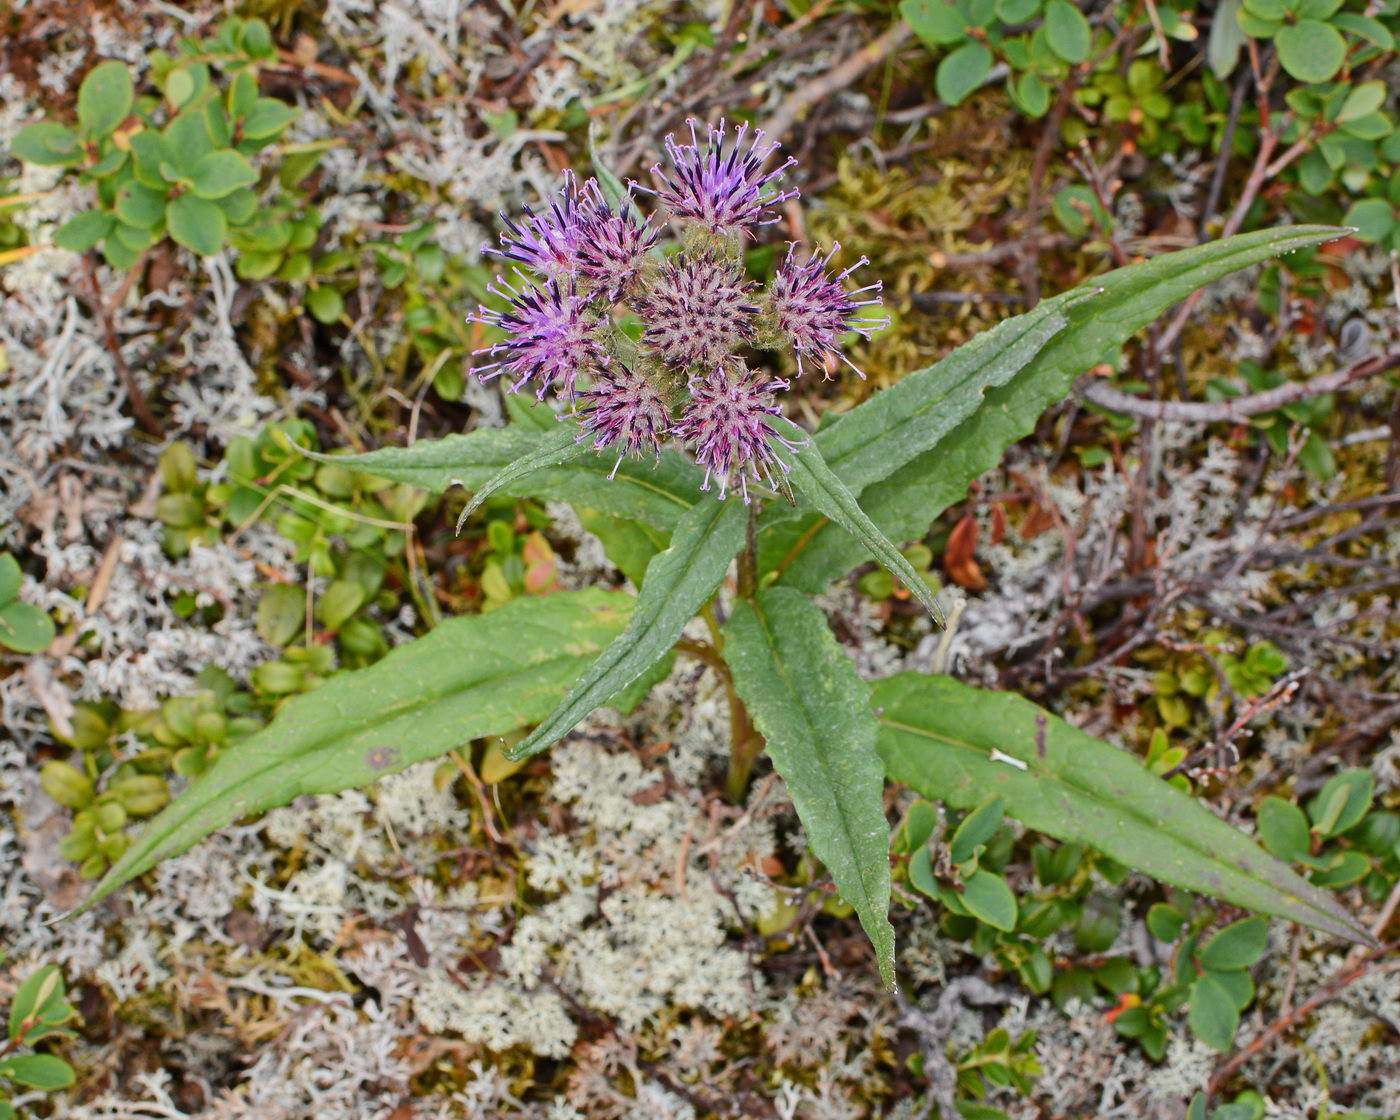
(748, 559)
(745, 743)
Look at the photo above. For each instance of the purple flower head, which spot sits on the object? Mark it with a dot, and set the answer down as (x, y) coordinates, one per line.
(551, 336)
(548, 241)
(813, 308)
(696, 311)
(729, 422)
(724, 191)
(611, 247)
(623, 410)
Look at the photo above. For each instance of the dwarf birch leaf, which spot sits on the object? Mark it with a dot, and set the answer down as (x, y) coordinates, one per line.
(555, 448)
(811, 706)
(470, 677)
(679, 581)
(964, 745)
(809, 472)
(654, 495)
(907, 498)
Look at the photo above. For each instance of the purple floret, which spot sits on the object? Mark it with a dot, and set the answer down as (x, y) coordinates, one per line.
(725, 191)
(728, 422)
(611, 246)
(551, 336)
(695, 312)
(624, 411)
(549, 241)
(813, 308)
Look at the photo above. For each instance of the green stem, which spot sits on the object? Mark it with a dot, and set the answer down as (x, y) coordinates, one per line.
(745, 743)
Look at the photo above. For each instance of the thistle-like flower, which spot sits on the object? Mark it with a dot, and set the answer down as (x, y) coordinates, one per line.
(552, 336)
(696, 311)
(592, 258)
(728, 421)
(813, 310)
(611, 247)
(724, 191)
(624, 411)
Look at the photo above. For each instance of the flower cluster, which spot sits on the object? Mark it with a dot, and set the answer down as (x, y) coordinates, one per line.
(590, 269)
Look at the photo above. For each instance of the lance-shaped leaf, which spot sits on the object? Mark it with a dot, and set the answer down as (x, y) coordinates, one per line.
(470, 677)
(555, 448)
(679, 581)
(810, 553)
(963, 745)
(641, 491)
(816, 481)
(806, 698)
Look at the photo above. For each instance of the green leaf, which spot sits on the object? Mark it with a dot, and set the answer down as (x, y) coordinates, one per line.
(38, 1071)
(654, 496)
(470, 677)
(186, 141)
(556, 447)
(906, 501)
(1372, 30)
(1164, 921)
(1283, 829)
(1033, 94)
(1213, 1015)
(281, 613)
(629, 544)
(1347, 868)
(1238, 945)
(950, 741)
(1310, 50)
(325, 304)
(81, 233)
(917, 826)
(39, 998)
(1197, 1111)
(46, 143)
(24, 628)
(614, 193)
(806, 698)
(1067, 31)
(1362, 100)
(989, 899)
(1372, 217)
(976, 829)
(221, 172)
(105, 98)
(139, 205)
(679, 581)
(962, 72)
(936, 22)
(817, 483)
(1342, 802)
(197, 224)
(268, 117)
(1226, 39)
(10, 578)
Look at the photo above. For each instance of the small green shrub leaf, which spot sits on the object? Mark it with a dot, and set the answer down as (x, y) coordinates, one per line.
(989, 899)
(81, 233)
(1283, 829)
(962, 72)
(268, 117)
(38, 1071)
(221, 172)
(139, 205)
(936, 22)
(806, 698)
(197, 224)
(1238, 945)
(105, 98)
(976, 829)
(917, 826)
(1310, 50)
(1342, 802)
(325, 304)
(679, 581)
(24, 628)
(1067, 31)
(1213, 1015)
(962, 744)
(46, 143)
(10, 577)
(470, 677)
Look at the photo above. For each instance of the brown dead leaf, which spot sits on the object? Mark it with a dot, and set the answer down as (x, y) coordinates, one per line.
(958, 559)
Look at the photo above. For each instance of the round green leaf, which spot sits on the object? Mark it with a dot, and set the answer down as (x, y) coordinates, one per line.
(342, 599)
(1347, 868)
(46, 143)
(976, 829)
(25, 628)
(140, 206)
(281, 613)
(1213, 1016)
(962, 71)
(1238, 945)
(936, 22)
(220, 173)
(1284, 829)
(325, 304)
(988, 898)
(179, 87)
(11, 578)
(105, 98)
(1164, 921)
(1372, 217)
(1310, 50)
(268, 117)
(1362, 100)
(38, 1071)
(1067, 31)
(83, 232)
(196, 223)
(1033, 94)
(1373, 31)
(1342, 802)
